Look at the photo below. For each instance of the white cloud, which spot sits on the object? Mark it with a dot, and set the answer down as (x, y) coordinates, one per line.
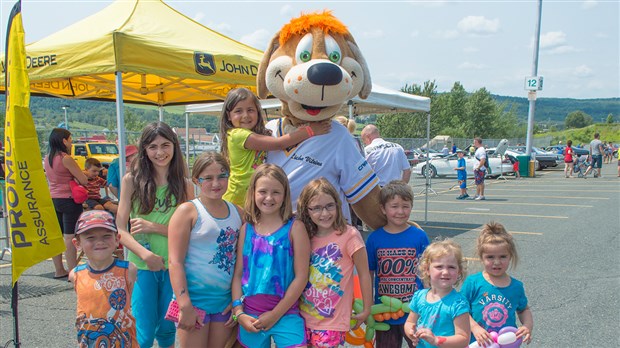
(583, 71)
(552, 39)
(562, 50)
(470, 49)
(374, 34)
(588, 4)
(478, 25)
(199, 16)
(258, 39)
(470, 66)
(222, 28)
(415, 33)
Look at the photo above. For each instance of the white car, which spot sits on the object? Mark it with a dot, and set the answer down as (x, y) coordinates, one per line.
(444, 166)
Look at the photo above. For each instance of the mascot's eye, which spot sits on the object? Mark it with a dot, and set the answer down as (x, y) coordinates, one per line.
(304, 56)
(333, 50)
(303, 53)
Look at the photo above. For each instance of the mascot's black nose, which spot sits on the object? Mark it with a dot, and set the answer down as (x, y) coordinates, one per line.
(325, 74)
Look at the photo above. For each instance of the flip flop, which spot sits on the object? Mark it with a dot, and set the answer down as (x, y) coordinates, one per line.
(62, 276)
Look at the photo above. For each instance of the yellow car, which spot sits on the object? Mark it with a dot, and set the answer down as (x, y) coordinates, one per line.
(104, 152)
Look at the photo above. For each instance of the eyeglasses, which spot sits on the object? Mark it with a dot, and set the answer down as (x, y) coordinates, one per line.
(210, 178)
(319, 208)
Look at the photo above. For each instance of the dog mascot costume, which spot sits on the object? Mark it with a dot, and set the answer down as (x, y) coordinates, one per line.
(314, 66)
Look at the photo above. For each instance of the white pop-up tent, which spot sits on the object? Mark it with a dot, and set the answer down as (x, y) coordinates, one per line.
(380, 101)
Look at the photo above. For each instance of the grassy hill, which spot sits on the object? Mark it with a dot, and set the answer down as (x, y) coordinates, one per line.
(608, 132)
(555, 110)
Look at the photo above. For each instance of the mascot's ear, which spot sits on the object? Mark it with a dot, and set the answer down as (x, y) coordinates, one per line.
(261, 80)
(367, 87)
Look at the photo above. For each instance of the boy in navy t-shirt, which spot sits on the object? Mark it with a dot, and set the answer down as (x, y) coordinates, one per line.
(393, 254)
(461, 174)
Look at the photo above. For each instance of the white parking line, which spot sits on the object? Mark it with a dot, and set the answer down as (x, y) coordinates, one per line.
(496, 214)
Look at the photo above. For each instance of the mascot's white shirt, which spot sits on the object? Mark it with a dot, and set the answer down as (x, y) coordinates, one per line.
(333, 155)
(387, 159)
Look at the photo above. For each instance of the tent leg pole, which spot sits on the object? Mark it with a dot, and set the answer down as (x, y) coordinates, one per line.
(120, 123)
(161, 113)
(187, 139)
(350, 104)
(428, 178)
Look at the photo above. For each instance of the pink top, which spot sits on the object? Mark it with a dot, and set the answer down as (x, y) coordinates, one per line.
(327, 300)
(58, 177)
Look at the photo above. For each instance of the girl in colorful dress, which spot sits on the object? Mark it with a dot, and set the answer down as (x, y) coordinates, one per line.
(271, 272)
(496, 298)
(439, 315)
(202, 244)
(336, 248)
(152, 190)
(245, 139)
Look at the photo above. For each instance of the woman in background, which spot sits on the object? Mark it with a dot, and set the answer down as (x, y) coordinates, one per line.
(60, 170)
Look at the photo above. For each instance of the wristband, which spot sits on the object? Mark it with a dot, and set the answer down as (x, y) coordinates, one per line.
(440, 340)
(238, 302)
(236, 316)
(309, 131)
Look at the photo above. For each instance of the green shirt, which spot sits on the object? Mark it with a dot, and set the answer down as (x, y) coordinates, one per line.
(242, 165)
(155, 242)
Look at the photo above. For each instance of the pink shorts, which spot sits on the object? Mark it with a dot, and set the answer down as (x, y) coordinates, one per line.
(325, 338)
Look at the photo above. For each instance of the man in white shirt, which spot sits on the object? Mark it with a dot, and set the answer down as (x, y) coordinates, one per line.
(480, 169)
(387, 159)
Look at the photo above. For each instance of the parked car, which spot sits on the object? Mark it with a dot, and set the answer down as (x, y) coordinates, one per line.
(412, 157)
(431, 153)
(444, 166)
(559, 149)
(544, 159)
(103, 151)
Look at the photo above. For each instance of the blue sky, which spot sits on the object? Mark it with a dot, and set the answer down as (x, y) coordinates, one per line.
(478, 43)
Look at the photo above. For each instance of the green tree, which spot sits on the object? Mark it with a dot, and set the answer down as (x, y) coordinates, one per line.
(578, 119)
(410, 124)
(610, 119)
(506, 123)
(480, 114)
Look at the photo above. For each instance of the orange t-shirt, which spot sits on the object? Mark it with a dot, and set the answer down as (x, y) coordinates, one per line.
(104, 306)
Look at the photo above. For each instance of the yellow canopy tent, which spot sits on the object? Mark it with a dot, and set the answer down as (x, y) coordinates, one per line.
(140, 51)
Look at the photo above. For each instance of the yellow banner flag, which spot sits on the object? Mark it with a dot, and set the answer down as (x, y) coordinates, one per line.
(33, 226)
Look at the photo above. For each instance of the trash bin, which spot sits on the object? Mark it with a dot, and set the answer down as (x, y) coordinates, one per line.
(524, 163)
(532, 166)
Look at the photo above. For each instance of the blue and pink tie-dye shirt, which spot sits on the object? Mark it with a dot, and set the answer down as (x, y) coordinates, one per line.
(268, 268)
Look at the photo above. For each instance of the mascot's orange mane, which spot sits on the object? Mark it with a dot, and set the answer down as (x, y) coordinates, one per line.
(301, 25)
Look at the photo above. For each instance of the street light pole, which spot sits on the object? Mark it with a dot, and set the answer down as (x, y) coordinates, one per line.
(65, 107)
(532, 94)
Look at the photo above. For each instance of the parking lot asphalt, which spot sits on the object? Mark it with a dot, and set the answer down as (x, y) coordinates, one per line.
(567, 238)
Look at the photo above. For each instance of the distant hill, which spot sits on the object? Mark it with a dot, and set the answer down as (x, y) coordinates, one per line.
(555, 110)
(48, 112)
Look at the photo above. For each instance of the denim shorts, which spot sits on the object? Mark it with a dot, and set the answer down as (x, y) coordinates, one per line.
(597, 161)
